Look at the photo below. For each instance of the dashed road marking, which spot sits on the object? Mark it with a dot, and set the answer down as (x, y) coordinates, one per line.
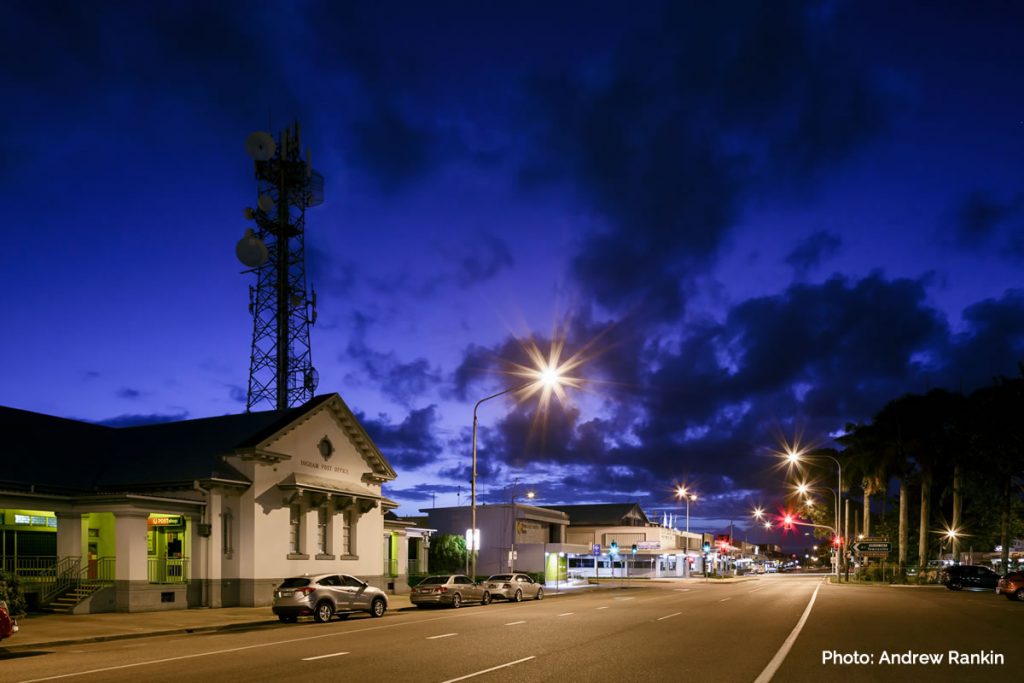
(443, 635)
(333, 654)
(513, 623)
(724, 599)
(566, 614)
(493, 668)
(669, 616)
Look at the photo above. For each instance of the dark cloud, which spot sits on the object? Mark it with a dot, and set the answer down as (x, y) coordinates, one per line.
(981, 220)
(238, 393)
(390, 145)
(128, 393)
(712, 104)
(128, 420)
(404, 382)
(812, 251)
(992, 343)
(410, 444)
(489, 255)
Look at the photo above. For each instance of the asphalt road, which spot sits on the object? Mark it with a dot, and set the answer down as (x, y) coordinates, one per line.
(660, 632)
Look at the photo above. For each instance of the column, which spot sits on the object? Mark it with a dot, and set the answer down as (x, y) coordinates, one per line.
(69, 535)
(132, 563)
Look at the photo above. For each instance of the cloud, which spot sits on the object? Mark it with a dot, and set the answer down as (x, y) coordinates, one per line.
(411, 444)
(489, 255)
(403, 382)
(691, 117)
(981, 220)
(135, 420)
(128, 393)
(812, 251)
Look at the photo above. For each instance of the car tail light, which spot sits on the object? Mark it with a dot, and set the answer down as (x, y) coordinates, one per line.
(305, 590)
(442, 589)
(507, 585)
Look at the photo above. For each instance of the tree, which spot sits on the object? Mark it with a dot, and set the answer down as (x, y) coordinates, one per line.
(447, 553)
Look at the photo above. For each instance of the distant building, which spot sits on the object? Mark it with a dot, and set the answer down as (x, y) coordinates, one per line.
(208, 512)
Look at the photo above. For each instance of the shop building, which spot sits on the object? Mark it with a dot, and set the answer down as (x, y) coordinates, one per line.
(209, 512)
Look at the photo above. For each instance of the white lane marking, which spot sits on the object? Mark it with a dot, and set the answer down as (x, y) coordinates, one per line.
(724, 599)
(288, 641)
(605, 607)
(335, 654)
(756, 589)
(566, 614)
(443, 635)
(669, 616)
(629, 598)
(681, 590)
(513, 623)
(493, 668)
(780, 656)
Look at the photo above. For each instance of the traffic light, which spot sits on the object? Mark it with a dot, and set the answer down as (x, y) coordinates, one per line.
(707, 547)
(633, 549)
(787, 523)
(614, 547)
(837, 541)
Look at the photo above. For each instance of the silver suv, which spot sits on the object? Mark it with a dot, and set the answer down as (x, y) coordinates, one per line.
(327, 595)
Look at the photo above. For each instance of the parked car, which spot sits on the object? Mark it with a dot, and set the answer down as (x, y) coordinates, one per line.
(1012, 586)
(8, 622)
(327, 595)
(969, 576)
(514, 587)
(449, 589)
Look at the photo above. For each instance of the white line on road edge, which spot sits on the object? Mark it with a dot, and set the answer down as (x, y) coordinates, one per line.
(336, 654)
(629, 598)
(513, 623)
(669, 616)
(566, 614)
(780, 656)
(493, 668)
(443, 635)
(724, 599)
(681, 590)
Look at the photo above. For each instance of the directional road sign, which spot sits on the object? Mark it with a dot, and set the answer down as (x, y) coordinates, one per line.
(872, 548)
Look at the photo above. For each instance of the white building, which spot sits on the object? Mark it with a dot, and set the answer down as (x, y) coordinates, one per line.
(210, 512)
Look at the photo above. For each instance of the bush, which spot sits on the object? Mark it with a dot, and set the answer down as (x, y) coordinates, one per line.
(10, 592)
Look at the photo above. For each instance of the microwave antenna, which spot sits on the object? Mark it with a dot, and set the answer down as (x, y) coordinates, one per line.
(281, 371)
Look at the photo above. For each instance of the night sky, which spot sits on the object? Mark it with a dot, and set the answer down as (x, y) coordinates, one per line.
(753, 222)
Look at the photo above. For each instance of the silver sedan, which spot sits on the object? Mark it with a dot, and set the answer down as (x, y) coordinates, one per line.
(514, 587)
(449, 589)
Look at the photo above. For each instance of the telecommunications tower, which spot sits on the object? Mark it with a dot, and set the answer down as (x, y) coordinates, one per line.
(281, 371)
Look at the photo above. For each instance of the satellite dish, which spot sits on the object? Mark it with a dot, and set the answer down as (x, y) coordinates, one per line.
(249, 214)
(266, 203)
(312, 379)
(251, 251)
(260, 146)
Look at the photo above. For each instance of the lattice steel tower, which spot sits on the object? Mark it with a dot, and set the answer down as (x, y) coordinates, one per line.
(281, 369)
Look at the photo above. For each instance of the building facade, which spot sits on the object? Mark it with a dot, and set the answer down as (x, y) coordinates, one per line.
(211, 512)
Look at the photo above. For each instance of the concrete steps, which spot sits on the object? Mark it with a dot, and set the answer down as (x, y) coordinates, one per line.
(67, 602)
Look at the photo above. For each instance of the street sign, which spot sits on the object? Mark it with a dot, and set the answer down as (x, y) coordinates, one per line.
(597, 550)
(872, 548)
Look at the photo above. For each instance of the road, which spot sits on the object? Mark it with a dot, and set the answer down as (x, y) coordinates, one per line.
(659, 632)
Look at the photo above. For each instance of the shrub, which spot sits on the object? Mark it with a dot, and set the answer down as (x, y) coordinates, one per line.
(10, 591)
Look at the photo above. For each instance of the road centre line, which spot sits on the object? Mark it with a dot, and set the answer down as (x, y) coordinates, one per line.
(629, 598)
(780, 656)
(681, 590)
(334, 654)
(287, 641)
(443, 635)
(493, 668)
(566, 614)
(724, 599)
(605, 607)
(513, 623)
(669, 616)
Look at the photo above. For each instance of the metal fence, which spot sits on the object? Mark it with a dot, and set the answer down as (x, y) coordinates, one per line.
(169, 570)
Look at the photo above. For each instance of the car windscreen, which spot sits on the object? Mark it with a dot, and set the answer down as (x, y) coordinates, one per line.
(433, 581)
(297, 582)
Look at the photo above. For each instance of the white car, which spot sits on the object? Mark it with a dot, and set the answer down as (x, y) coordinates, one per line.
(514, 587)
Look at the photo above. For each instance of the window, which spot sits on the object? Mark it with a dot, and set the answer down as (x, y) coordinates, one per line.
(225, 533)
(322, 527)
(295, 528)
(347, 546)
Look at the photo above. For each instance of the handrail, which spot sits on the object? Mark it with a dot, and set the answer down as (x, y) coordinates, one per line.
(62, 575)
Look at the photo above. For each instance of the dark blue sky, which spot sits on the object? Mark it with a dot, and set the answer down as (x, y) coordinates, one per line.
(753, 221)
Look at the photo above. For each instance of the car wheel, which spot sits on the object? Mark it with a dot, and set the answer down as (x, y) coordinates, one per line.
(486, 600)
(323, 612)
(377, 607)
(456, 601)
(519, 595)
(955, 585)
(1019, 594)
(540, 593)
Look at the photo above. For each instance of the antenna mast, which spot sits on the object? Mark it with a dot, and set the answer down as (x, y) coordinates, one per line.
(281, 369)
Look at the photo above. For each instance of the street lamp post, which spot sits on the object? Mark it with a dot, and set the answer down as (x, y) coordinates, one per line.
(548, 377)
(683, 494)
(793, 457)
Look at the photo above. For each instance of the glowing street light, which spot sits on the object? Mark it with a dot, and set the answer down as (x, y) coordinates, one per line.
(793, 457)
(683, 494)
(547, 378)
